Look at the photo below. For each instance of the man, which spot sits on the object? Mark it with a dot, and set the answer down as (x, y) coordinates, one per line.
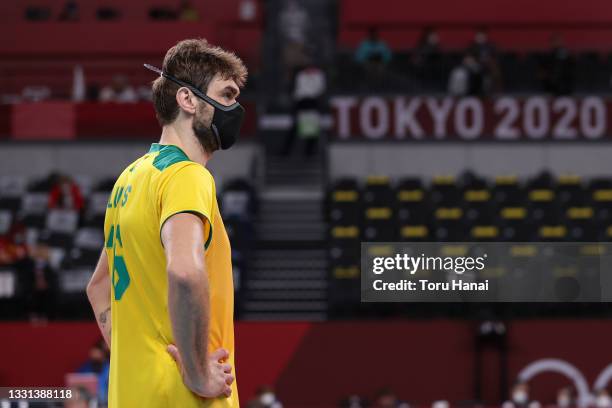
(162, 291)
(373, 50)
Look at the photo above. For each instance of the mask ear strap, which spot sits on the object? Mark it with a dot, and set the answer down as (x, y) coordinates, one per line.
(192, 88)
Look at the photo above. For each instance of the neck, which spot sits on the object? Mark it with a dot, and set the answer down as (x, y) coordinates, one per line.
(183, 137)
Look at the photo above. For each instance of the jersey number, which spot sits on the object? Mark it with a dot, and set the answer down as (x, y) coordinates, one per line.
(120, 276)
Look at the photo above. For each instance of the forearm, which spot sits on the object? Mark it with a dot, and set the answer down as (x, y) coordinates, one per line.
(99, 295)
(101, 305)
(189, 314)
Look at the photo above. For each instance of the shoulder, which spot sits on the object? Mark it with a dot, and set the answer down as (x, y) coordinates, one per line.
(188, 174)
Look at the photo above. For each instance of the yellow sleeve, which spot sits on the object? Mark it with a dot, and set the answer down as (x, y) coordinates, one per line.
(188, 188)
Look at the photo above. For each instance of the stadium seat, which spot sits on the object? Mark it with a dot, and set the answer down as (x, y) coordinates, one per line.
(378, 215)
(580, 224)
(508, 192)
(61, 224)
(444, 191)
(34, 209)
(96, 208)
(600, 191)
(12, 189)
(515, 225)
(570, 192)
(344, 203)
(6, 221)
(449, 224)
(412, 202)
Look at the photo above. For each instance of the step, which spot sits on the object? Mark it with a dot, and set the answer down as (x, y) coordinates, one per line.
(261, 306)
(275, 254)
(291, 226)
(291, 206)
(288, 295)
(293, 171)
(257, 273)
(293, 316)
(309, 182)
(303, 264)
(294, 193)
(288, 236)
(273, 284)
(289, 218)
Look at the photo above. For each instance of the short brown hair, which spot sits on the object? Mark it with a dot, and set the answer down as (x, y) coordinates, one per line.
(194, 61)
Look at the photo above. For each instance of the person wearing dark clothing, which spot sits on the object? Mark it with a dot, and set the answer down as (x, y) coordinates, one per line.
(426, 56)
(557, 71)
(308, 93)
(39, 281)
(481, 47)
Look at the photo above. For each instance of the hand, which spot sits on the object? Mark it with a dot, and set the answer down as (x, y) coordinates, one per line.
(218, 378)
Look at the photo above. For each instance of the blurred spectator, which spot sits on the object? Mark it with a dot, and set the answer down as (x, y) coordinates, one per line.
(98, 363)
(565, 398)
(162, 13)
(12, 244)
(247, 10)
(481, 46)
(107, 13)
(187, 12)
(119, 91)
(492, 78)
(557, 68)
(265, 398)
(65, 194)
(388, 399)
(308, 91)
(40, 281)
(79, 88)
(145, 93)
(519, 396)
(373, 50)
(485, 53)
(294, 22)
(440, 404)
(35, 93)
(426, 53)
(96, 360)
(603, 399)
(70, 12)
(353, 401)
(466, 78)
(37, 13)
(81, 398)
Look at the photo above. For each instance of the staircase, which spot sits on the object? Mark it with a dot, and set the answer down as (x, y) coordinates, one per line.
(294, 173)
(287, 271)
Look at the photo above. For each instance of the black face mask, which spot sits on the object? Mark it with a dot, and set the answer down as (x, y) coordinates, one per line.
(226, 121)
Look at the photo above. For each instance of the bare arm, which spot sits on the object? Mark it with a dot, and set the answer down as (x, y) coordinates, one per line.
(188, 304)
(99, 294)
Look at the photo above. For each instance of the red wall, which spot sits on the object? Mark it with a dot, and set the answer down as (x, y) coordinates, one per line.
(119, 39)
(318, 363)
(54, 120)
(542, 12)
(513, 24)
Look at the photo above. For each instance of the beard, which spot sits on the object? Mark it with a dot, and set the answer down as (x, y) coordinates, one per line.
(202, 129)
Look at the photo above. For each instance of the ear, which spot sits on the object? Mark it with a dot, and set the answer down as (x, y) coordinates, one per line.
(186, 100)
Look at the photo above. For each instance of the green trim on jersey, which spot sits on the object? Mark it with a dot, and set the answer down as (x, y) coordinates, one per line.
(167, 156)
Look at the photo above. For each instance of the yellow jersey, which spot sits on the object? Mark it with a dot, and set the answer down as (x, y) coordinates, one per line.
(158, 185)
